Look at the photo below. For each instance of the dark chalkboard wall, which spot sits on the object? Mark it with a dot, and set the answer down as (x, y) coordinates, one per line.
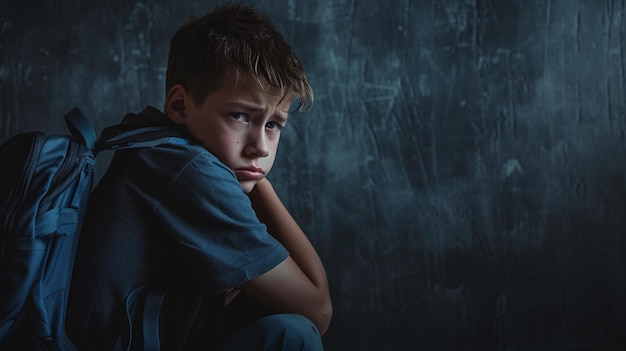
(462, 173)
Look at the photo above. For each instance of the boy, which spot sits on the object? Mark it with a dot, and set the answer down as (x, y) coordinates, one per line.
(200, 223)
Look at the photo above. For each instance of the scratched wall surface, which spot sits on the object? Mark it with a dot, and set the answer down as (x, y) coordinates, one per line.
(462, 173)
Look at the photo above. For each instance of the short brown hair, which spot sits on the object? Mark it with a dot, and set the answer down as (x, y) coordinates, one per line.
(236, 37)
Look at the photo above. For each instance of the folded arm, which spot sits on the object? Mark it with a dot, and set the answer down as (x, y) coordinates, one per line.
(298, 284)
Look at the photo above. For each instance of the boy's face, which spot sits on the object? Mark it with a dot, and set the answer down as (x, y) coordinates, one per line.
(239, 124)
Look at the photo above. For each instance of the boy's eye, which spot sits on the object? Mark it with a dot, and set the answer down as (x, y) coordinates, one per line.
(239, 116)
(273, 125)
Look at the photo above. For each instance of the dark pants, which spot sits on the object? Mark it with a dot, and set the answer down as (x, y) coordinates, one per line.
(275, 332)
(249, 325)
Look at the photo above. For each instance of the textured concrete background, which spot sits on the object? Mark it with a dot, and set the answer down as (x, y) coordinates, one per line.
(462, 173)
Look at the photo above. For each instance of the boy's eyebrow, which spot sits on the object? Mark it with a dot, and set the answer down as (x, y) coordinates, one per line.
(252, 107)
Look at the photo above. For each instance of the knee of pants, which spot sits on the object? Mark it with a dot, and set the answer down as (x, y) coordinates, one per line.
(292, 332)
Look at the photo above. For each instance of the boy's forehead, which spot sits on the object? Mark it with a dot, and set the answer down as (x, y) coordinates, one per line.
(243, 86)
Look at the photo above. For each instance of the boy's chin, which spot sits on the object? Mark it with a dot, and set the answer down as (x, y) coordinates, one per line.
(248, 185)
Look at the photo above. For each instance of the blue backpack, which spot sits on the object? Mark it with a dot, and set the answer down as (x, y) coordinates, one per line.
(45, 181)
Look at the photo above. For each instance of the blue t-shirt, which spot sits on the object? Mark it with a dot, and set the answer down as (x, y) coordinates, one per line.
(174, 217)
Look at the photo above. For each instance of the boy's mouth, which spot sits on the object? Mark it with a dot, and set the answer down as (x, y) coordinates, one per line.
(249, 173)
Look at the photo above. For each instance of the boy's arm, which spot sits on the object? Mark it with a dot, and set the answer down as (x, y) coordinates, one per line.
(298, 284)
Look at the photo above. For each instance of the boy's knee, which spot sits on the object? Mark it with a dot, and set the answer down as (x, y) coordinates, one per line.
(291, 332)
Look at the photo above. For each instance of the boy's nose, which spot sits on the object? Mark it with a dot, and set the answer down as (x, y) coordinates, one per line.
(257, 145)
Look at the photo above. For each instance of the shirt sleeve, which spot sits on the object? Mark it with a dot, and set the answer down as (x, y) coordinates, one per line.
(212, 220)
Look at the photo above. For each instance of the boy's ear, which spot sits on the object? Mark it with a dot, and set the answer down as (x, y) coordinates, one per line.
(175, 102)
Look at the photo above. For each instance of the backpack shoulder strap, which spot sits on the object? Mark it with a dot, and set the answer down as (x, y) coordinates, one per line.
(151, 301)
(80, 127)
(82, 130)
(141, 137)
